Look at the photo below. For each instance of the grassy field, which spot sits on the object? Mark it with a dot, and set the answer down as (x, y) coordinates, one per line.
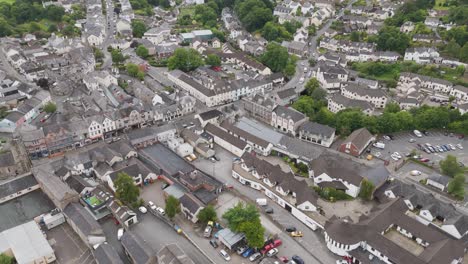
(7, 1)
(184, 11)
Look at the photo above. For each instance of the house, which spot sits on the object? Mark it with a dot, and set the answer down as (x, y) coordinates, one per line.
(407, 27)
(377, 97)
(330, 169)
(11, 122)
(460, 93)
(378, 237)
(17, 187)
(106, 254)
(287, 119)
(158, 34)
(190, 207)
(331, 77)
(259, 107)
(135, 169)
(421, 55)
(137, 250)
(316, 133)
(260, 145)
(438, 181)
(295, 47)
(122, 213)
(210, 116)
(227, 141)
(357, 142)
(432, 22)
(338, 102)
(285, 97)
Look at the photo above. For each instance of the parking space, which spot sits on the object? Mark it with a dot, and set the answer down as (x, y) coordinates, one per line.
(110, 230)
(154, 192)
(68, 247)
(405, 143)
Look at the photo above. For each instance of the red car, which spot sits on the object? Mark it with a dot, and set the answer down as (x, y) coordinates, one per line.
(424, 160)
(274, 244)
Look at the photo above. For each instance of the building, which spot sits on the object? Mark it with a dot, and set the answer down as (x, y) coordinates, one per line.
(190, 207)
(172, 253)
(391, 235)
(26, 244)
(259, 145)
(230, 239)
(421, 55)
(460, 93)
(357, 142)
(137, 250)
(287, 119)
(316, 133)
(227, 141)
(259, 107)
(338, 102)
(17, 187)
(106, 254)
(83, 223)
(377, 97)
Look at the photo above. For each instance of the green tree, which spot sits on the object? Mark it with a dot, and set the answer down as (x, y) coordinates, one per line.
(4, 259)
(390, 38)
(449, 166)
(246, 219)
(207, 214)
(464, 53)
(253, 13)
(142, 51)
(367, 188)
(98, 55)
(138, 28)
(117, 56)
(452, 49)
(275, 57)
(50, 107)
(311, 85)
(185, 60)
(68, 30)
(392, 108)
(355, 36)
(125, 189)
(213, 60)
(206, 15)
(456, 186)
(52, 28)
(290, 69)
(54, 13)
(319, 94)
(172, 207)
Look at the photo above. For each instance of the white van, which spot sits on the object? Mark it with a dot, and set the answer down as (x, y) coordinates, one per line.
(379, 145)
(417, 133)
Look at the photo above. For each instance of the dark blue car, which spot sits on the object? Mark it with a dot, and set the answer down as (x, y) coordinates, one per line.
(297, 259)
(248, 252)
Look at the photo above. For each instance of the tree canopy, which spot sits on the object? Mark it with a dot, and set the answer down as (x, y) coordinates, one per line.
(254, 14)
(207, 214)
(367, 188)
(172, 207)
(50, 107)
(138, 28)
(456, 186)
(246, 219)
(213, 60)
(126, 190)
(185, 60)
(277, 59)
(390, 38)
(142, 51)
(450, 166)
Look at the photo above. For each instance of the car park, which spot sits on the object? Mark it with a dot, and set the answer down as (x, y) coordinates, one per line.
(152, 205)
(225, 255)
(241, 250)
(272, 252)
(255, 256)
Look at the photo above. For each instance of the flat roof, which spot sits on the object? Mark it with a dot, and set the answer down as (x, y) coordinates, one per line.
(26, 241)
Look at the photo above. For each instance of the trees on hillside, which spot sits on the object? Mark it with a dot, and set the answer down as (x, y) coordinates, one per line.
(390, 38)
(277, 59)
(254, 13)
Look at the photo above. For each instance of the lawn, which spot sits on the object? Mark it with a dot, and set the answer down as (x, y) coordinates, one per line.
(184, 11)
(93, 201)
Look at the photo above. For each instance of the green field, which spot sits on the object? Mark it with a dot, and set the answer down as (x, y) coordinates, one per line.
(7, 1)
(439, 5)
(184, 11)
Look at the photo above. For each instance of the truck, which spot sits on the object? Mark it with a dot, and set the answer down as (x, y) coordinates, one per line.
(261, 201)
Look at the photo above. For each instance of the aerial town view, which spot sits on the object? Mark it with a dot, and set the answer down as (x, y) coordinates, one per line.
(233, 131)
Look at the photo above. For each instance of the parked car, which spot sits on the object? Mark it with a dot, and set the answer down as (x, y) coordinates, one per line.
(152, 205)
(387, 137)
(395, 158)
(297, 259)
(248, 252)
(396, 154)
(160, 211)
(452, 147)
(269, 210)
(208, 230)
(142, 209)
(120, 233)
(213, 243)
(411, 140)
(283, 259)
(290, 229)
(424, 160)
(459, 146)
(274, 244)
(241, 250)
(225, 255)
(297, 234)
(255, 256)
(415, 173)
(272, 252)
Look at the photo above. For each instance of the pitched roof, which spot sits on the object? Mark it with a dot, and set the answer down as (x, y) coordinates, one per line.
(217, 131)
(106, 254)
(173, 254)
(190, 202)
(317, 129)
(359, 138)
(82, 219)
(286, 112)
(137, 248)
(16, 185)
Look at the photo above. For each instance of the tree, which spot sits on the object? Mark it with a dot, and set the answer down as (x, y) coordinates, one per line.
(142, 51)
(311, 85)
(43, 83)
(138, 28)
(312, 62)
(68, 30)
(275, 57)
(134, 71)
(98, 55)
(246, 219)
(125, 189)
(50, 108)
(290, 70)
(172, 207)
(52, 28)
(213, 60)
(185, 60)
(206, 15)
(390, 38)
(355, 36)
(253, 13)
(117, 56)
(449, 166)
(456, 186)
(367, 188)
(4, 259)
(392, 108)
(319, 94)
(207, 214)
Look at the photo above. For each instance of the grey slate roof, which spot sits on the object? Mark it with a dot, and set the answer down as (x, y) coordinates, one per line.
(7, 159)
(17, 185)
(166, 160)
(208, 115)
(173, 254)
(82, 219)
(106, 254)
(138, 249)
(289, 113)
(190, 203)
(217, 131)
(317, 129)
(359, 137)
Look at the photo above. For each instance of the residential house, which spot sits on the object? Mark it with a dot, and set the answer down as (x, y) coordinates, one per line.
(229, 142)
(357, 142)
(421, 55)
(338, 102)
(287, 119)
(376, 97)
(316, 133)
